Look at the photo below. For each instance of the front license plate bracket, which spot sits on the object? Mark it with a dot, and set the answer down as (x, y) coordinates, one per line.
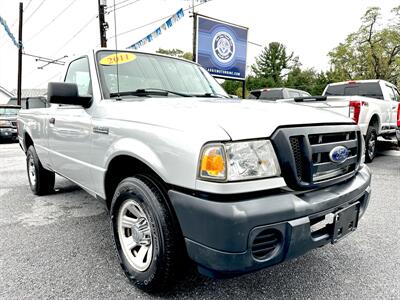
(345, 221)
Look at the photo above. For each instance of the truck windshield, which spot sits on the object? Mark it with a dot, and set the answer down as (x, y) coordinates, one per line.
(149, 74)
(366, 89)
(8, 111)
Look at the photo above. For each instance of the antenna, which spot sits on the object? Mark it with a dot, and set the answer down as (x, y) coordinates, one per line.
(116, 52)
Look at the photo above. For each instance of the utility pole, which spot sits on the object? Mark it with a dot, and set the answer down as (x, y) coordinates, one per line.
(21, 12)
(194, 32)
(103, 24)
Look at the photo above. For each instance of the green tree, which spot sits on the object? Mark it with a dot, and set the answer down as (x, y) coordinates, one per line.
(321, 81)
(308, 80)
(371, 52)
(232, 87)
(254, 82)
(175, 52)
(273, 61)
(301, 79)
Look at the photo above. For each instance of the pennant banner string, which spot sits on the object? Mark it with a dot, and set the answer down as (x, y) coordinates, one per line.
(8, 31)
(168, 24)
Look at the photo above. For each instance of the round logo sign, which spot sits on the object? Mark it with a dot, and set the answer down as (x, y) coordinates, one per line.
(223, 47)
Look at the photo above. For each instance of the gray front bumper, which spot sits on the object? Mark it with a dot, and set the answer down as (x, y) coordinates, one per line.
(217, 233)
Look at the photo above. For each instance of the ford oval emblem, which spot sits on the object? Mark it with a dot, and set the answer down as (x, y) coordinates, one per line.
(339, 154)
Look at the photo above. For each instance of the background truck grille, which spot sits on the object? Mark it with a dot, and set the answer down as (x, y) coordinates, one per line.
(304, 154)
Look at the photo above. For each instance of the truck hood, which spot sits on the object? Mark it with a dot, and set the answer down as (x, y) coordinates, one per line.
(241, 119)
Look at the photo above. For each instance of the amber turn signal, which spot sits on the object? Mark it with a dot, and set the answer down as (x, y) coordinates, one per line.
(212, 164)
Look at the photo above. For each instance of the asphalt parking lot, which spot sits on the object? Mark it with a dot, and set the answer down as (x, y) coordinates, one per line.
(59, 246)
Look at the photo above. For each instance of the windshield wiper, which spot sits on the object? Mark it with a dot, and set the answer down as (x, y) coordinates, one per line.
(211, 95)
(148, 92)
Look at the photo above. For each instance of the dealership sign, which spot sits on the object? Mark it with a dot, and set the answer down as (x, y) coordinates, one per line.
(221, 48)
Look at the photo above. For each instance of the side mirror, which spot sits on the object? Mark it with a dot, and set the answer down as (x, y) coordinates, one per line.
(66, 93)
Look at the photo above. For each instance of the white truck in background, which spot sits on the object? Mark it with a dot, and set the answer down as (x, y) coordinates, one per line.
(373, 104)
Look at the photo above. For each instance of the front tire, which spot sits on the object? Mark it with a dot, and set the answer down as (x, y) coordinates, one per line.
(371, 141)
(145, 235)
(41, 181)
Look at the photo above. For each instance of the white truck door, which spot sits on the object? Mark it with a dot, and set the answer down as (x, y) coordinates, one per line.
(386, 106)
(395, 102)
(70, 130)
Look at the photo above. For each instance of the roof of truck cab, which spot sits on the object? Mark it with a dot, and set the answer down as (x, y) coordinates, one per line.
(361, 81)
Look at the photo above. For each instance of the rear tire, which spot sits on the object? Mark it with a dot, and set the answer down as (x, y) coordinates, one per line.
(371, 141)
(41, 180)
(142, 223)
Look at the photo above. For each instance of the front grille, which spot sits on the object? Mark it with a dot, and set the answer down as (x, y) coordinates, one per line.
(296, 148)
(304, 154)
(322, 145)
(265, 243)
(14, 123)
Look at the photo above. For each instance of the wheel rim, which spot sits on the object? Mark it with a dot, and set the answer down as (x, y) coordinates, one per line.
(32, 171)
(372, 145)
(135, 235)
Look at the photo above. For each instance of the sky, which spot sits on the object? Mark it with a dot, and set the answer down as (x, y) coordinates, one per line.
(54, 28)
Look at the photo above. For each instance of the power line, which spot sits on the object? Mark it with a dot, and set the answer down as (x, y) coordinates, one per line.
(255, 44)
(78, 32)
(27, 6)
(52, 21)
(47, 60)
(43, 59)
(31, 15)
(117, 8)
(155, 21)
(121, 2)
(16, 19)
(49, 79)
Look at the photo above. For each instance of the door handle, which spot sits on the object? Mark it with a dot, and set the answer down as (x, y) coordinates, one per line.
(52, 121)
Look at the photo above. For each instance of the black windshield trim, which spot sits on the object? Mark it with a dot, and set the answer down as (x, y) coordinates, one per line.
(148, 92)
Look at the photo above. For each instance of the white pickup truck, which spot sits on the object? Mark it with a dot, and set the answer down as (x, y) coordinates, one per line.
(234, 185)
(373, 104)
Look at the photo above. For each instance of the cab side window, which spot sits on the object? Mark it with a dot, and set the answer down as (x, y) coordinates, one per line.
(78, 72)
(396, 95)
(293, 94)
(391, 93)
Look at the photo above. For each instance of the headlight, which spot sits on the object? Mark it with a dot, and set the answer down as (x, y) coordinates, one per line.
(5, 123)
(239, 161)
